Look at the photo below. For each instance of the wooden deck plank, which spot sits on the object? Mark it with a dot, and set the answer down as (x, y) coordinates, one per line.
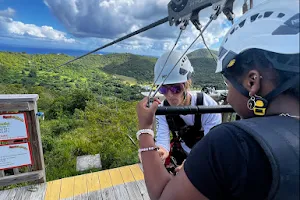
(108, 194)
(67, 188)
(54, 190)
(22, 193)
(4, 194)
(133, 191)
(39, 193)
(95, 195)
(93, 183)
(11, 195)
(121, 192)
(139, 178)
(137, 172)
(126, 174)
(71, 198)
(104, 178)
(143, 189)
(107, 190)
(48, 190)
(116, 177)
(81, 197)
(132, 188)
(124, 183)
(80, 185)
(118, 184)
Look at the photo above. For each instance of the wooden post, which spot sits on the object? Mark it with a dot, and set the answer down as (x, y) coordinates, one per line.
(25, 103)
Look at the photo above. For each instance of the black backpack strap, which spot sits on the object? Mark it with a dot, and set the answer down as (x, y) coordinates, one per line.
(279, 138)
(199, 102)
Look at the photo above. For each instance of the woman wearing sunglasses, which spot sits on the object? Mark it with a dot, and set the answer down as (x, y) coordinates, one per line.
(256, 157)
(189, 129)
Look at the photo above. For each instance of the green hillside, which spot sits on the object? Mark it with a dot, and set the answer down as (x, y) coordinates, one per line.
(202, 53)
(141, 68)
(87, 102)
(85, 108)
(138, 67)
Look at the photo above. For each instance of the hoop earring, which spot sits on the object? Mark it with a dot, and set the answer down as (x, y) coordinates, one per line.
(251, 103)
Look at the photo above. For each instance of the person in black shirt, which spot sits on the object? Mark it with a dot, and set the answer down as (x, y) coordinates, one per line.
(229, 164)
(259, 59)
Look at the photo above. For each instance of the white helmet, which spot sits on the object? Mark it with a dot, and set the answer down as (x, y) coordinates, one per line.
(181, 72)
(271, 26)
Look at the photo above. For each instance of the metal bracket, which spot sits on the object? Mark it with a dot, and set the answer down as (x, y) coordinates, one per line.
(183, 24)
(186, 10)
(195, 20)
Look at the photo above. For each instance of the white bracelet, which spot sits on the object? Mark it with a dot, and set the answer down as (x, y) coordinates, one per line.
(148, 149)
(144, 131)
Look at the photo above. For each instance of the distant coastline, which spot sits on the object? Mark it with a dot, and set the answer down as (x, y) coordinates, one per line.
(34, 50)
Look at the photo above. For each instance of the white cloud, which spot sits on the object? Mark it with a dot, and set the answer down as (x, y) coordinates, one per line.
(110, 19)
(96, 22)
(11, 28)
(9, 12)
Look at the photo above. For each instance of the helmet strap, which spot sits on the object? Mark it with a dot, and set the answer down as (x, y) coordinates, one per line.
(260, 104)
(282, 88)
(237, 85)
(184, 96)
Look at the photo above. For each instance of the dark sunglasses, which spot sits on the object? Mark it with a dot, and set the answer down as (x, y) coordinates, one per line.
(175, 89)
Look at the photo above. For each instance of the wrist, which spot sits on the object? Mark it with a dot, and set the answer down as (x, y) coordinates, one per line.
(144, 127)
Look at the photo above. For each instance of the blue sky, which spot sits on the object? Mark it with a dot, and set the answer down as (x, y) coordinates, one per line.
(88, 24)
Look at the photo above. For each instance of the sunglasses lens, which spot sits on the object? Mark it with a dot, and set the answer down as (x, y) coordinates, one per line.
(163, 90)
(175, 89)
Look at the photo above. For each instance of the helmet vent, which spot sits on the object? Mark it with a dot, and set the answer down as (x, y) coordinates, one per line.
(182, 71)
(222, 52)
(253, 17)
(280, 15)
(267, 14)
(242, 23)
(232, 31)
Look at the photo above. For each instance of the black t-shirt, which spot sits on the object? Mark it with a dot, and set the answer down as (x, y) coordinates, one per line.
(229, 164)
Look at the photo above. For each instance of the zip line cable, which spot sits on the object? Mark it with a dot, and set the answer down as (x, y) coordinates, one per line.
(150, 26)
(204, 42)
(198, 27)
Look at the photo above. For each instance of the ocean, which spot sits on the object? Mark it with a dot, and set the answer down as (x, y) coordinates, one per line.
(33, 50)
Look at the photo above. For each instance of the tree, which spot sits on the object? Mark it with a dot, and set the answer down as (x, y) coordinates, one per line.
(32, 73)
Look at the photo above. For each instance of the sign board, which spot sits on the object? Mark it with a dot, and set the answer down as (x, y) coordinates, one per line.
(13, 126)
(15, 155)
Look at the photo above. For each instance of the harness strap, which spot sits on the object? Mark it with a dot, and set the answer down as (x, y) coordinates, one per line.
(279, 138)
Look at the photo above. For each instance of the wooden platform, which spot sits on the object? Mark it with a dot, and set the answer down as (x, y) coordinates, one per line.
(124, 183)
